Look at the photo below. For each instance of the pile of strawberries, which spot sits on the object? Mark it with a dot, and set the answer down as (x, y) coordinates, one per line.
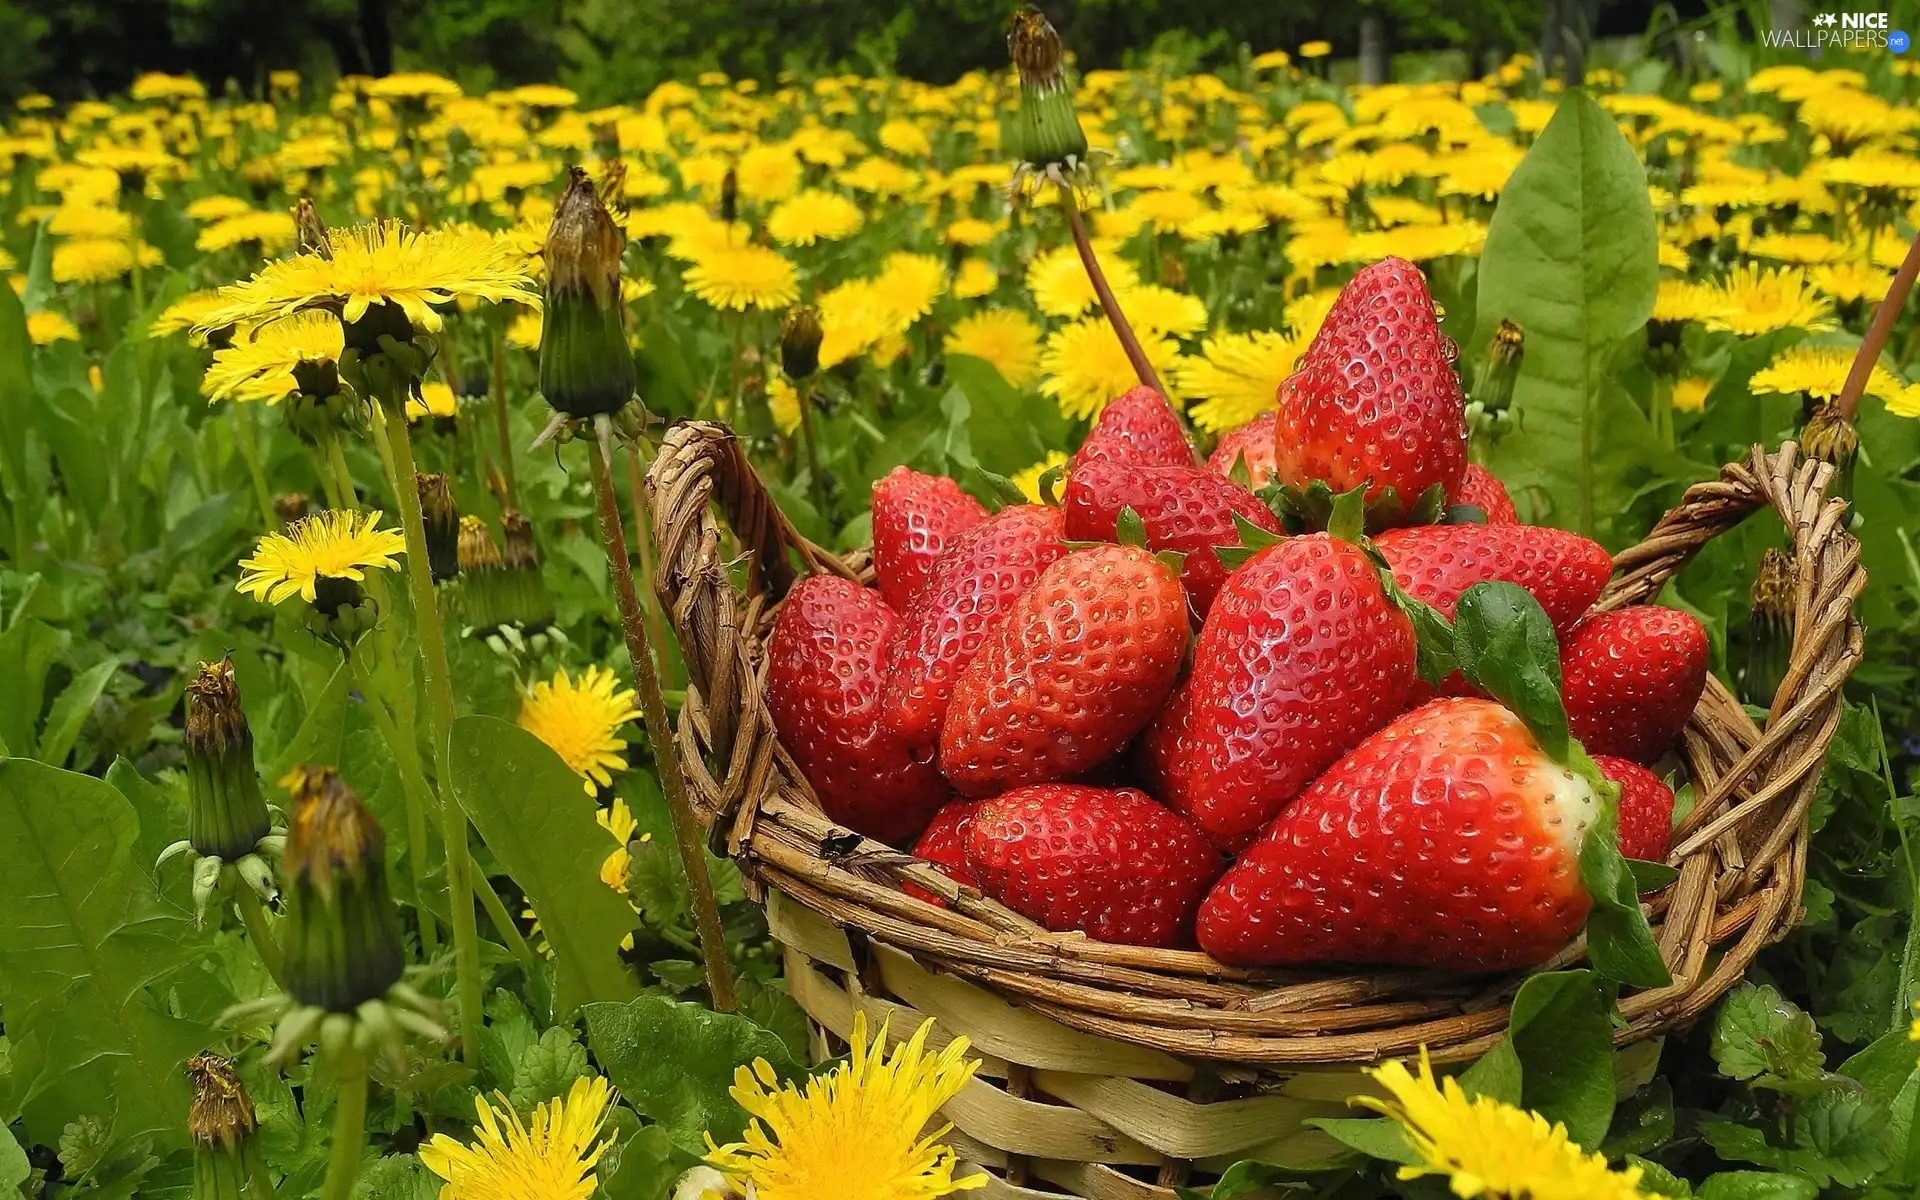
(1230, 745)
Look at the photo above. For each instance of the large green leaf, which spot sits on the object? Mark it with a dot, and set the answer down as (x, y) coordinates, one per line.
(85, 939)
(1009, 430)
(26, 651)
(1571, 257)
(674, 1062)
(1562, 1031)
(540, 824)
(70, 712)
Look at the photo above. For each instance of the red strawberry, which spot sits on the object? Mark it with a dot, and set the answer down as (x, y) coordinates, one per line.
(1375, 400)
(1137, 428)
(1646, 808)
(1078, 665)
(916, 519)
(1631, 678)
(989, 567)
(1166, 749)
(1486, 493)
(944, 844)
(1301, 658)
(1111, 864)
(1183, 508)
(1436, 563)
(1448, 839)
(825, 675)
(1252, 444)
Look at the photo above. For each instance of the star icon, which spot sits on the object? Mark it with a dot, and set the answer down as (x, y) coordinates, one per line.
(1824, 19)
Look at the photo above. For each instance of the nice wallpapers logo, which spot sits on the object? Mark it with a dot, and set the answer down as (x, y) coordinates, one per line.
(1848, 31)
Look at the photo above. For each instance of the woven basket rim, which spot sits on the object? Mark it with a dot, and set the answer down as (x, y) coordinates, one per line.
(1741, 852)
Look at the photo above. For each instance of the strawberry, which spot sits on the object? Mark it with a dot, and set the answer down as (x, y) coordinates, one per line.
(1301, 658)
(916, 519)
(1078, 665)
(825, 675)
(989, 567)
(1252, 444)
(1137, 428)
(1109, 863)
(944, 844)
(1632, 677)
(1486, 493)
(1646, 808)
(1375, 400)
(1187, 509)
(1562, 570)
(1448, 839)
(1165, 750)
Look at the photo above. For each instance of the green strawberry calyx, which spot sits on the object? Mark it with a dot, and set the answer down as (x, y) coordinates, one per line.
(1314, 506)
(1505, 644)
(1000, 492)
(1130, 529)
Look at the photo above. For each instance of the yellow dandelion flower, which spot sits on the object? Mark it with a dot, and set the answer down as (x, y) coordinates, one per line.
(266, 366)
(1850, 281)
(552, 1159)
(1684, 300)
(525, 330)
(767, 173)
(1006, 338)
(545, 95)
(1817, 371)
(412, 85)
(905, 139)
(620, 825)
(1027, 479)
(1316, 49)
(46, 328)
(1060, 285)
(858, 1133)
(1489, 1149)
(1753, 301)
(156, 85)
(579, 720)
(1305, 314)
(184, 313)
(97, 260)
(333, 544)
(969, 232)
(1690, 393)
(976, 278)
(814, 216)
(217, 208)
(1801, 249)
(1086, 366)
(436, 399)
(907, 286)
(274, 231)
(1151, 308)
(1906, 403)
(90, 221)
(1239, 374)
(784, 402)
(742, 277)
(381, 263)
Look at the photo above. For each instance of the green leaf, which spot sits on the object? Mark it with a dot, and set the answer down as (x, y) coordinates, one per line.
(1840, 1137)
(1347, 519)
(1253, 540)
(1562, 1030)
(1001, 489)
(1381, 1138)
(26, 651)
(1757, 1185)
(1657, 1180)
(645, 1166)
(1760, 1032)
(1505, 643)
(1619, 942)
(17, 396)
(1129, 529)
(1571, 257)
(674, 1062)
(1007, 428)
(162, 817)
(1435, 655)
(14, 1167)
(70, 712)
(507, 1034)
(539, 822)
(1497, 1074)
(547, 1068)
(85, 939)
(1651, 876)
(1248, 1175)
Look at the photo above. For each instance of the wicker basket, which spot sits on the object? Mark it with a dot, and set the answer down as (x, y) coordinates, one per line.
(1115, 1072)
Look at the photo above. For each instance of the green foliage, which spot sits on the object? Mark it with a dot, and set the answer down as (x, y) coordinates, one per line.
(84, 954)
(547, 1068)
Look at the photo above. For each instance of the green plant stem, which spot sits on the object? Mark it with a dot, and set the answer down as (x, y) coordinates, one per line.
(1142, 368)
(349, 1129)
(803, 397)
(643, 544)
(406, 755)
(249, 444)
(261, 1179)
(500, 422)
(390, 425)
(653, 706)
(1878, 331)
(254, 917)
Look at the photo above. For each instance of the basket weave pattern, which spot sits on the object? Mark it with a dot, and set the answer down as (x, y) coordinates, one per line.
(1102, 1056)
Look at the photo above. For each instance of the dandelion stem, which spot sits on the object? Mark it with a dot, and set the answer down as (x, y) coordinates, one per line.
(1110, 306)
(653, 706)
(250, 451)
(500, 423)
(349, 1128)
(815, 483)
(636, 485)
(503, 920)
(1878, 332)
(258, 932)
(390, 424)
(406, 755)
(342, 476)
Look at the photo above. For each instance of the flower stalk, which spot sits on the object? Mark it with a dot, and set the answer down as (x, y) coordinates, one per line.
(1122, 329)
(1848, 402)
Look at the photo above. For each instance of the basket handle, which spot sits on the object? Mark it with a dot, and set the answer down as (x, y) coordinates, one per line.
(699, 464)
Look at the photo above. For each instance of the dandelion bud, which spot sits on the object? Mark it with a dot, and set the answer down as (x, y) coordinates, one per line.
(1769, 627)
(227, 1162)
(1046, 130)
(1829, 435)
(226, 811)
(486, 589)
(310, 230)
(1493, 387)
(443, 526)
(522, 553)
(800, 336)
(342, 933)
(585, 366)
(477, 549)
(729, 197)
(525, 589)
